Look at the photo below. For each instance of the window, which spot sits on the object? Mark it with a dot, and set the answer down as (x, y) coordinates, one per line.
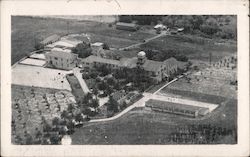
(56, 58)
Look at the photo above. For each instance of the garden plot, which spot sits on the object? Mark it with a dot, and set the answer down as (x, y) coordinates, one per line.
(40, 77)
(205, 86)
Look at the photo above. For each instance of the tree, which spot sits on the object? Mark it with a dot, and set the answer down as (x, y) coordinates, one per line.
(105, 46)
(55, 121)
(55, 139)
(79, 117)
(83, 50)
(94, 103)
(112, 105)
(64, 114)
(38, 46)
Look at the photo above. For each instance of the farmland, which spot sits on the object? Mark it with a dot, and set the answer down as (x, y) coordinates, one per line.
(196, 48)
(27, 31)
(144, 127)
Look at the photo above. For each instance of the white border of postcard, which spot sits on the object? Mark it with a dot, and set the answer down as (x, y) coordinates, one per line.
(98, 7)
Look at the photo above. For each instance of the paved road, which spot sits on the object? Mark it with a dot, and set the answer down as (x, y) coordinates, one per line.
(167, 84)
(83, 84)
(163, 33)
(139, 103)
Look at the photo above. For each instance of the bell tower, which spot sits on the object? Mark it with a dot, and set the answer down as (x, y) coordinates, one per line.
(141, 58)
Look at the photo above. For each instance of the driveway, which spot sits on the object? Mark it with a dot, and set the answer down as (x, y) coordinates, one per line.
(163, 33)
(83, 84)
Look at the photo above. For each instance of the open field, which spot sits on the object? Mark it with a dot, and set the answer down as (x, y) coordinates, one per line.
(144, 127)
(27, 31)
(192, 47)
(39, 77)
(31, 104)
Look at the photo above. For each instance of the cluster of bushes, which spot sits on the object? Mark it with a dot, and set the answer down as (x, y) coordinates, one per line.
(83, 50)
(161, 55)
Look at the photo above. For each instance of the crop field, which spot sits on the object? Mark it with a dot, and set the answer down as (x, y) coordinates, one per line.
(27, 31)
(146, 127)
(32, 105)
(192, 47)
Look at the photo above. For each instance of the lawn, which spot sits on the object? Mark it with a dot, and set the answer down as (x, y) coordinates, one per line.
(145, 127)
(192, 47)
(76, 87)
(27, 31)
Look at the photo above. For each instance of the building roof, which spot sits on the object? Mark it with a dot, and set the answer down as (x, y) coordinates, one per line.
(128, 62)
(159, 26)
(92, 59)
(63, 43)
(36, 62)
(170, 61)
(38, 56)
(165, 104)
(97, 44)
(51, 38)
(61, 54)
(141, 54)
(60, 49)
(126, 24)
(151, 65)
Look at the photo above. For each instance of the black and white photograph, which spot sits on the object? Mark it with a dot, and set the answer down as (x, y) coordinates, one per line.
(124, 79)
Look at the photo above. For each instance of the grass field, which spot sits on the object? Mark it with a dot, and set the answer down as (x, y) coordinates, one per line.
(27, 31)
(192, 47)
(145, 127)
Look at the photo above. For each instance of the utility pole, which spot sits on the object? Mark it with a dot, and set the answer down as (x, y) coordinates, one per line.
(210, 58)
(67, 27)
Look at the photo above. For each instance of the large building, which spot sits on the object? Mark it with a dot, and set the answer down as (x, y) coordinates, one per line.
(175, 108)
(154, 69)
(49, 40)
(61, 59)
(127, 26)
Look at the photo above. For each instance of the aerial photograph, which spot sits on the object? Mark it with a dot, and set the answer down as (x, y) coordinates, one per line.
(124, 80)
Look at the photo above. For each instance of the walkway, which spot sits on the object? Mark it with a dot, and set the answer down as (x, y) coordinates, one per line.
(83, 84)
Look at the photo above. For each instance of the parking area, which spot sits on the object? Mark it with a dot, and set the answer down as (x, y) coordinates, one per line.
(27, 75)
